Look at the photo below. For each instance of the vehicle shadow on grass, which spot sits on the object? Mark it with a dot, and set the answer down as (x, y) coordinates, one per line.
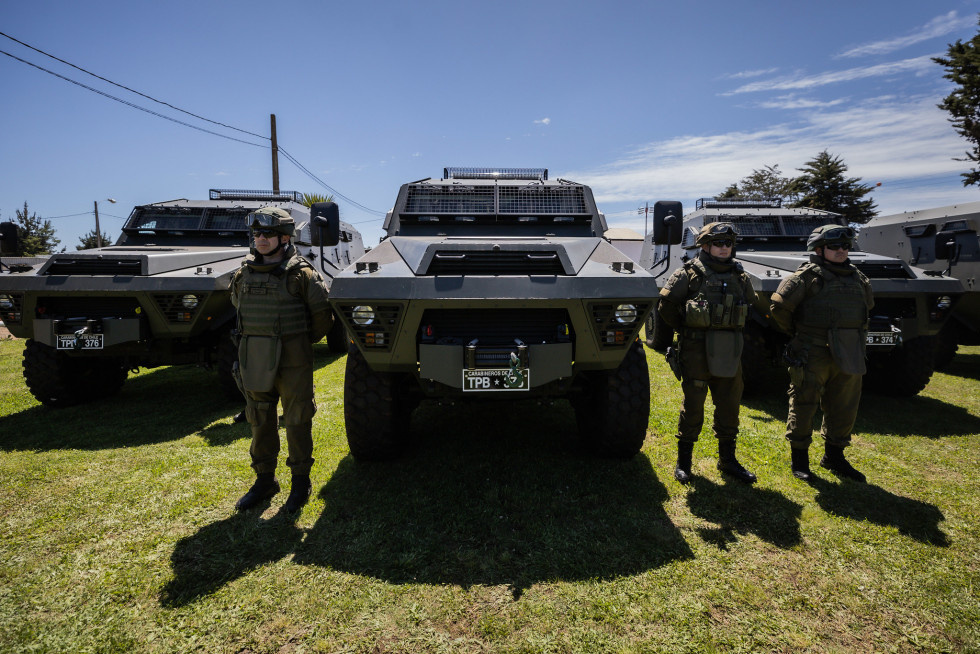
(736, 508)
(964, 365)
(912, 518)
(489, 494)
(157, 406)
(494, 494)
(914, 416)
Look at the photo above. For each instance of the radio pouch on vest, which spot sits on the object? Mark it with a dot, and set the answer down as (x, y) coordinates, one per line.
(724, 351)
(847, 347)
(259, 359)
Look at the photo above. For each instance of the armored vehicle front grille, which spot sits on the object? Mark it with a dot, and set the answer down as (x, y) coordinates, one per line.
(496, 326)
(66, 266)
(761, 226)
(612, 333)
(883, 270)
(456, 200)
(172, 307)
(552, 200)
(63, 308)
(473, 200)
(380, 332)
(803, 226)
(470, 262)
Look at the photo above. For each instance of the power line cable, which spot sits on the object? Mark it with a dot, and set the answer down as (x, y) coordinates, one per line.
(288, 156)
(130, 104)
(142, 95)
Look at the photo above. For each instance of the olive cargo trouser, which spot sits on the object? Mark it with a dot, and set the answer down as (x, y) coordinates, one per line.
(826, 387)
(294, 387)
(697, 380)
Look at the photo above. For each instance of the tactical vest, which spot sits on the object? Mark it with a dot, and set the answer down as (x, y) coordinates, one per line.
(838, 304)
(719, 302)
(265, 306)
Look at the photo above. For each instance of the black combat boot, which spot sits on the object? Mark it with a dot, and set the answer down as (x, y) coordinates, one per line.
(833, 460)
(727, 463)
(265, 486)
(801, 463)
(299, 494)
(682, 471)
(240, 417)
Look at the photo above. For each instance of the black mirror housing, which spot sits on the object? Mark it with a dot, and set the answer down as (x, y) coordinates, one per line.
(668, 219)
(8, 238)
(325, 224)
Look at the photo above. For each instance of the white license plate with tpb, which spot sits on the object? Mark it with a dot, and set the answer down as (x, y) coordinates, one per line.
(502, 379)
(80, 342)
(883, 338)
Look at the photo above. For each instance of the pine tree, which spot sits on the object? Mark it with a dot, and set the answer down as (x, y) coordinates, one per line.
(35, 235)
(962, 65)
(823, 186)
(90, 241)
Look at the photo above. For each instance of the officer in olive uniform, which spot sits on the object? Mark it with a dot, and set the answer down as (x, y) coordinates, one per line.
(282, 310)
(824, 306)
(707, 301)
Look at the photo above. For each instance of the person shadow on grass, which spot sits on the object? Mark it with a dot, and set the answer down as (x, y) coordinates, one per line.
(913, 518)
(228, 549)
(736, 508)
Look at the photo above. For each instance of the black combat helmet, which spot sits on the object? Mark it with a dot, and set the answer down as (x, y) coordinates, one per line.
(717, 232)
(272, 218)
(825, 234)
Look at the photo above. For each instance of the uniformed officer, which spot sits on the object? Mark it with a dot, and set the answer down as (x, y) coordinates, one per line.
(282, 310)
(824, 306)
(707, 302)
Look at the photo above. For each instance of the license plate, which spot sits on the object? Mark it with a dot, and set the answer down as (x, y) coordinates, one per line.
(883, 338)
(497, 379)
(83, 342)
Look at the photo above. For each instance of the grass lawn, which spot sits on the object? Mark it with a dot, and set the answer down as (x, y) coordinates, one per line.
(495, 534)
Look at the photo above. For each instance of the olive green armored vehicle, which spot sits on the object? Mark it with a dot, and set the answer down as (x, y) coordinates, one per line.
(495, 284)
(910, 306)
(942, 241)
(158, 296)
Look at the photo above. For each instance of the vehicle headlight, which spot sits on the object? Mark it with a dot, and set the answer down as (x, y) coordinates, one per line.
(944, 302)
(363, 315)
(189, 301)
(6, 302)
(625, 314)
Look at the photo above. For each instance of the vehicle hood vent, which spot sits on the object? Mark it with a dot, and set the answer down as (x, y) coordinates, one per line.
(142, 262)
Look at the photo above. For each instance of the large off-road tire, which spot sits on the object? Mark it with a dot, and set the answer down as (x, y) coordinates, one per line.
(58, 380)
(947, 342)
(613, 408)
(337, 337)
(905, 370)
(659, 335)
(376, 410)
(760, 367)
(226, 356)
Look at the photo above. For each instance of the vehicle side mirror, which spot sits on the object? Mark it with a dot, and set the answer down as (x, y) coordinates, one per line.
(8, 238)
(324, 224)
(668, 218)
(945, 245)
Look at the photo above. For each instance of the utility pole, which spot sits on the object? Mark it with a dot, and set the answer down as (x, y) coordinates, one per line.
(275, 156)
(98, 232)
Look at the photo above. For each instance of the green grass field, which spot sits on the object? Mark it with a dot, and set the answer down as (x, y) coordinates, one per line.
(495, 534)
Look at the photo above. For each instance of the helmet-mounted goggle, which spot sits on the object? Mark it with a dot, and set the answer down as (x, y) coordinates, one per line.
(256, 219)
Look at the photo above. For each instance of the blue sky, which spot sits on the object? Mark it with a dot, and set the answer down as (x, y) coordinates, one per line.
(644, 101)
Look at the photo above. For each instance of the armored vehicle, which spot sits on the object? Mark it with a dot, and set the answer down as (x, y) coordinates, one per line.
(495, 284)
(910, 306)
(943, 241)
(159, 296)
